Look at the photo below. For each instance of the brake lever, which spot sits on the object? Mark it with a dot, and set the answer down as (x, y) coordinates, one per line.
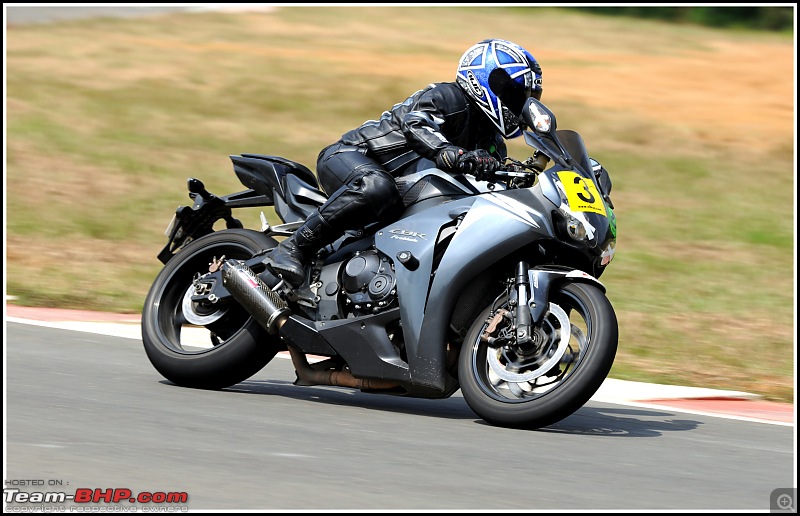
(509, 173)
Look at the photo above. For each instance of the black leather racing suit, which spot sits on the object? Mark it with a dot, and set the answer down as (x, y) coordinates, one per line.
(358, 171)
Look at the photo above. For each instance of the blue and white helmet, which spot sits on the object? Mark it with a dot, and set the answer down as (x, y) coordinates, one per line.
(499, 76)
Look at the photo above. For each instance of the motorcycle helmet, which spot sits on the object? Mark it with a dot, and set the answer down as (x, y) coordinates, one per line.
(499, 76)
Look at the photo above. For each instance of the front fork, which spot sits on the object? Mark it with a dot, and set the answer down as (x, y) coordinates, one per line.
(525, 340)
(524, 303)
(530, 299)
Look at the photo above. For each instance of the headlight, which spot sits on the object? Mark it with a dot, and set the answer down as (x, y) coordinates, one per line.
(575, 227)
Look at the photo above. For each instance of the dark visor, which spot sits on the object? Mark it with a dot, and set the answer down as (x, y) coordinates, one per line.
(511, 93)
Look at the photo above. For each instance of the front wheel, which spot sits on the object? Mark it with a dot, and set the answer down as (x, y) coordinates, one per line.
(514, 387)
(207, 346)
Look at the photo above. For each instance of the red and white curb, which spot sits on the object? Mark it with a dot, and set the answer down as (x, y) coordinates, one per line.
(693, 400)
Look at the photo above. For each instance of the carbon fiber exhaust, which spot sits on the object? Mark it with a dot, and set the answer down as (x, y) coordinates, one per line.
(250, 291)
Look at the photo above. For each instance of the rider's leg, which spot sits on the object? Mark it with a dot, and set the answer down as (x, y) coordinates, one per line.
(365, 193)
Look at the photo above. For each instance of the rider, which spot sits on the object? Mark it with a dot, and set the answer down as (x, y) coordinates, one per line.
(460, 125)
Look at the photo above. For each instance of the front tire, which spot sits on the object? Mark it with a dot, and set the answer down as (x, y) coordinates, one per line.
(206, 347)
(580, 333)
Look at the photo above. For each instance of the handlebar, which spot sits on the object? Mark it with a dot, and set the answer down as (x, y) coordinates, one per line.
(512, 169)
(513, 173)
(517, 169)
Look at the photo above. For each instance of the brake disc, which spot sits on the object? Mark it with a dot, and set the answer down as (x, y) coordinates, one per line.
(500, 370)
(191, 315)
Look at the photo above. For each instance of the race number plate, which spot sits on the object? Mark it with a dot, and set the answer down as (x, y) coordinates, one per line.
(582, 194)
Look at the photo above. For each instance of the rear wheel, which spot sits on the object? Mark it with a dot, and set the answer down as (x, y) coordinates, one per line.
(209, 345)
(576, 345)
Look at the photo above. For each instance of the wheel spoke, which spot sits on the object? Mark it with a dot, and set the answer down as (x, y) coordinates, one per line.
(493, 378)
(179, 320)
(517, 389)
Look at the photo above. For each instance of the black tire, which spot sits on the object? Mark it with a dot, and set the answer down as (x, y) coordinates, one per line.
(238, 346)
(560, 391)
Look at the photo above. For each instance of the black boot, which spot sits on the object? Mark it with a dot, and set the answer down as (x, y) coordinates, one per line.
(289, 259)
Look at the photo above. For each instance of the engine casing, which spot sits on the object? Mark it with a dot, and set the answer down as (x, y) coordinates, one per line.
(369, 282)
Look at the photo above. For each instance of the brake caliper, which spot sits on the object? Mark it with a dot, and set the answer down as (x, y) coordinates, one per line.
(488, 335)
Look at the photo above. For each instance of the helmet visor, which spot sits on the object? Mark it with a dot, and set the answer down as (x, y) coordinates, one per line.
(512, 93)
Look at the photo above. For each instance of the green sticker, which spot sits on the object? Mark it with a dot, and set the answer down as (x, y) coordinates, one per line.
(612, 222)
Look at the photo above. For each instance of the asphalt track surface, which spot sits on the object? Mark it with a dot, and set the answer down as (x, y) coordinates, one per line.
(89, 411)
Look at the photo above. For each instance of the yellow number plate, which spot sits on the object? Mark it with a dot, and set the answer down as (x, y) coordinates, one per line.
(582, 195)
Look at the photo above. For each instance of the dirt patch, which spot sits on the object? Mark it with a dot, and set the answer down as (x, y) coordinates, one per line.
(739, 94)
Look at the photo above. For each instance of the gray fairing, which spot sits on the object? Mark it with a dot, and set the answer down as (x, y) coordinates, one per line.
(494, 225)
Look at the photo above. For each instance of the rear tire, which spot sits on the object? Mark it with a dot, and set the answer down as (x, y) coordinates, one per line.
(208, 347)
(557, 392)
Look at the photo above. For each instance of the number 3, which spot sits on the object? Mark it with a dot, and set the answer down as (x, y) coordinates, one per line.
(588, 198)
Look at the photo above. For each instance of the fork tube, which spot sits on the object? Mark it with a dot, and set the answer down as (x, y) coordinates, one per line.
(523, 312)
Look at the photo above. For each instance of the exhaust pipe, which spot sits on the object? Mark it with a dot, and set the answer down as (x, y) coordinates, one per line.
(250, 291)
(271, 312)
(307, 375)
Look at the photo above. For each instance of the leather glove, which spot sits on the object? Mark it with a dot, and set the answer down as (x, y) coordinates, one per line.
(478, 162)
(448, 158)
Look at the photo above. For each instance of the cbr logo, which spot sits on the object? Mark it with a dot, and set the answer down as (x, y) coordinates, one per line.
(404, 234)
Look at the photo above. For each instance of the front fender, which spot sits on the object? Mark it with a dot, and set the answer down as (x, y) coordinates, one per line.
(542, 278)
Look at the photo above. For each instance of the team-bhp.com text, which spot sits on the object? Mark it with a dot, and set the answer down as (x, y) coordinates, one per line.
(88, 498)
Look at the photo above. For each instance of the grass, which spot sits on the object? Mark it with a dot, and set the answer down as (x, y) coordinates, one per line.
(107, 118)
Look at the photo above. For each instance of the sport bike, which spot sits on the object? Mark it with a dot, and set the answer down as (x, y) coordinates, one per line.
(490, 287)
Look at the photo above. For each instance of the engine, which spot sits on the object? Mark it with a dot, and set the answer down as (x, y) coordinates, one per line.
(369, 282)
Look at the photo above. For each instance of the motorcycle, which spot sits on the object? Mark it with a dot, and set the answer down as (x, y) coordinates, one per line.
(487, 286)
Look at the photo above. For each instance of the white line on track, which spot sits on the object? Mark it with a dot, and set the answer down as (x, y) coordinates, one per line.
(611, 391)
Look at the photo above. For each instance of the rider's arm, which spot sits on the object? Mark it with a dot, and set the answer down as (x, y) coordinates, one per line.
(439, 112)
